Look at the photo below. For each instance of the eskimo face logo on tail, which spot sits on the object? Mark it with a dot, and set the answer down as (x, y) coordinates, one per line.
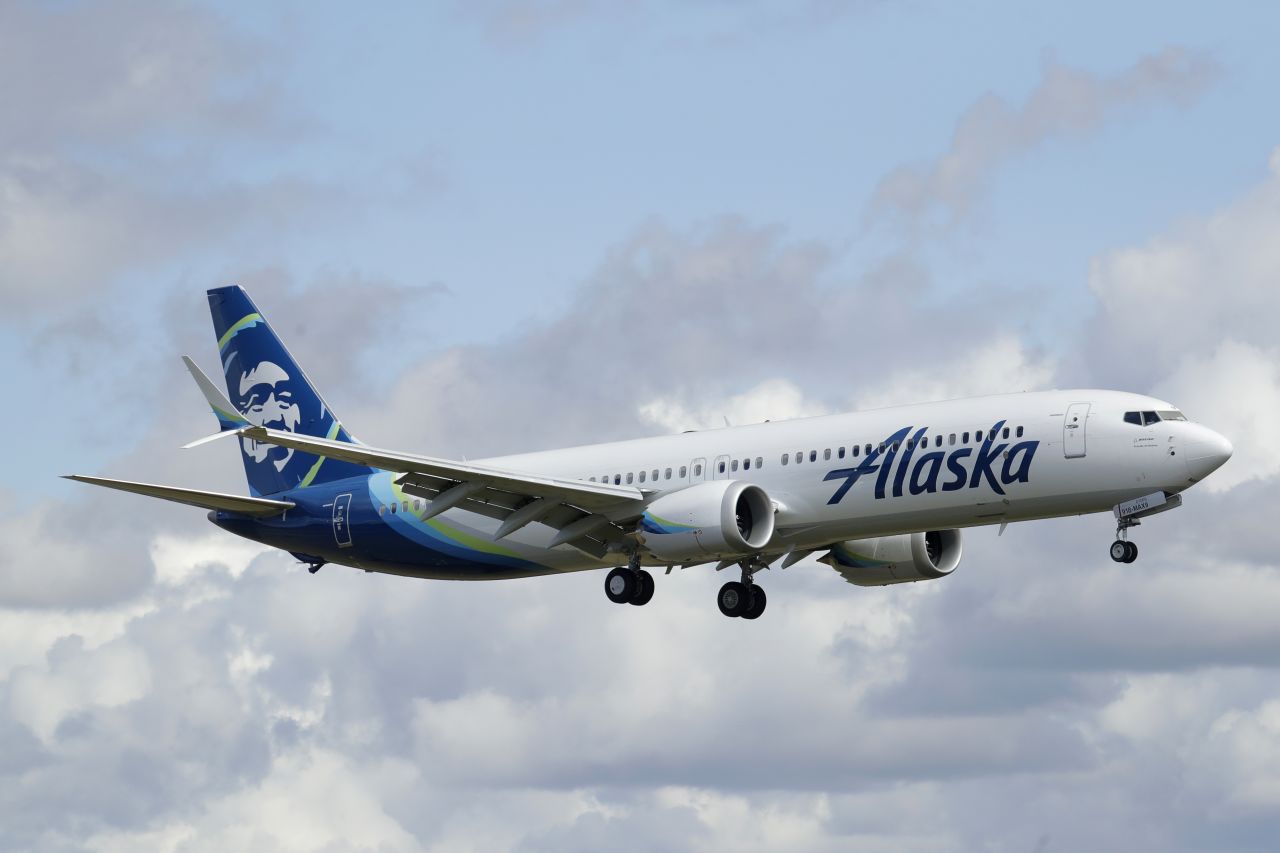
(905, 464)
(266, 398)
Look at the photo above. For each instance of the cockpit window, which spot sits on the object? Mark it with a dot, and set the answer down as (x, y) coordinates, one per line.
(1149, 418)
(1172, 415)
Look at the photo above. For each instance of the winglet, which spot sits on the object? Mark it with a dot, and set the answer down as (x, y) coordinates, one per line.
(228, 417)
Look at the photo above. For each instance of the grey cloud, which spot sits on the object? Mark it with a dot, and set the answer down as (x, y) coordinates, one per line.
(1066, 102)
(80, 72)
(691, 317)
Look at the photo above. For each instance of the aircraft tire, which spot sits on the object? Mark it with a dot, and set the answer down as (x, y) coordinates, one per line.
(644, 589)
(758, 601)
(734, 599)
(621, 585)
(1119, 551)
(1132, 550)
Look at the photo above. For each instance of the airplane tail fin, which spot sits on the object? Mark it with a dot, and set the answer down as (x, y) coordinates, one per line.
(267, 387)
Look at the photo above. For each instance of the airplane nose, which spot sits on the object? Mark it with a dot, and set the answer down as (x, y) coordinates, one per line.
(1209, 452)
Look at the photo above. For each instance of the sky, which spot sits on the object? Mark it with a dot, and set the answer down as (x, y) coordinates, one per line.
(491, 227)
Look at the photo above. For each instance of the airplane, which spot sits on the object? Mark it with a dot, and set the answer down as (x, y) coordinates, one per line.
(880, 496)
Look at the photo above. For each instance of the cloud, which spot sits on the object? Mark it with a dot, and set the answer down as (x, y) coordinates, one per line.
(1177, 296)
(1234, 389)
(1066, 102)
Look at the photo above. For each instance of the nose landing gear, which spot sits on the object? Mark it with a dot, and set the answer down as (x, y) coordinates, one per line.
(1122, 550)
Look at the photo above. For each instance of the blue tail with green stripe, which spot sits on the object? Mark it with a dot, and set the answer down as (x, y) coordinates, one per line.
(268, 388)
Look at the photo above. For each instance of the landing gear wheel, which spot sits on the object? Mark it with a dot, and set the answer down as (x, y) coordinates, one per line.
(1120, 551)
(621, 585)
(644, 588)
(1132, 554)
(734, 599)
(758, 601)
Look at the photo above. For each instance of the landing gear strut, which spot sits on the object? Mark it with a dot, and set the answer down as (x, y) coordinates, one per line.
(630, 584)
(743, 598)
(1122, 550)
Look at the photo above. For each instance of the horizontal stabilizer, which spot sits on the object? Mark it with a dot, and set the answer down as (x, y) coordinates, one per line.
(228, 417)
(192, 497)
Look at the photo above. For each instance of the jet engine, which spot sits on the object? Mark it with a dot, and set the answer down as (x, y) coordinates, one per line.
(907, 557)
(720, 518)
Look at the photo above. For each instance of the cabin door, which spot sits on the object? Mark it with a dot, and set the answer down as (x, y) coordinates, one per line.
(1073, 429)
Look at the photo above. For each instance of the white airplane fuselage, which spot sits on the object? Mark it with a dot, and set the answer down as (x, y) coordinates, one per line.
(1053, 453)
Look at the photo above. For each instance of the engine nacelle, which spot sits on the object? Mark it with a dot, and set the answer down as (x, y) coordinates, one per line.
(720, 518)
(907, 557)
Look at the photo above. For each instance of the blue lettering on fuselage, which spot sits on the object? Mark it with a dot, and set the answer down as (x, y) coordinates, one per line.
(892, 460)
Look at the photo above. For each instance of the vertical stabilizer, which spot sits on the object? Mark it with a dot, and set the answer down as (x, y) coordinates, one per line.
(268, 388)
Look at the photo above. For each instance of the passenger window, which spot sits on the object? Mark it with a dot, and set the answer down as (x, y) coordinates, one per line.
(1019, 432)
(937, 440)
(746, 464)
(617, 479)
(630, 478)
(654, 475)
(406, 506)
(759, 461)
(382, 510)
(393, 509)
(881, 448)
(733, 466)
(1006, 432)
(417, 505)
(786, 458)
(966, 438)
(684, 471)
(869, 449)
(856, 448)
(593, 479)
(721, 467)
(952, 440)
(840, 451)
(697, 470)
(642, 476)
(666, 475)
(826, 454)
(813, 456)
(896, 444)
(1134, 418)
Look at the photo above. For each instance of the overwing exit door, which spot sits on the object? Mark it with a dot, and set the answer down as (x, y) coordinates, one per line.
(1073, 430)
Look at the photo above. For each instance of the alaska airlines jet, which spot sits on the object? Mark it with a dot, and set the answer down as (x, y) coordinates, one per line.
(880, 496)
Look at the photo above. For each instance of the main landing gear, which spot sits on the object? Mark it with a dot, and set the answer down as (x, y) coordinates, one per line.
(743, 598)
(629, 585)
(1122, 550)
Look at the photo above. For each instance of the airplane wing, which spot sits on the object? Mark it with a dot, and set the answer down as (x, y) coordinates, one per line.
(585, 514)
(192, 497)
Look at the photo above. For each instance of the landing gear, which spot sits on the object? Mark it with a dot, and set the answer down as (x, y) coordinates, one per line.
(630, 584)
(645, 590)
(621, 585)
(743, 598)
(734, 599)
(1122, 550)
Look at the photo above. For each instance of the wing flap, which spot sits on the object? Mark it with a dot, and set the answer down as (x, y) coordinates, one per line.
(192, 497)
